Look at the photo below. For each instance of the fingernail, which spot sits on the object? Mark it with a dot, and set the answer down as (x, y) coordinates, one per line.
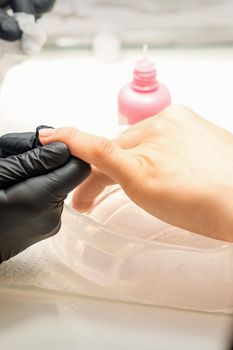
(46, 132)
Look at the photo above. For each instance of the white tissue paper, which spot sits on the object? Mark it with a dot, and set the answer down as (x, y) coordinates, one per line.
(14, 53)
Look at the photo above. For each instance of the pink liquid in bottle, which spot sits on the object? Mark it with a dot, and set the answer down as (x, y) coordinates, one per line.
(144, 97)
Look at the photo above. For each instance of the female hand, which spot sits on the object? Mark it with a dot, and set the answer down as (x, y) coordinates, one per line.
(176, 165)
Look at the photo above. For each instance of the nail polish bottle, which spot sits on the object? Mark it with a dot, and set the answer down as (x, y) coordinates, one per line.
(144, 97)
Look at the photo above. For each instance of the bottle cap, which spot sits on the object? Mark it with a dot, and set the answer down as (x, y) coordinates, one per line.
(145, 74)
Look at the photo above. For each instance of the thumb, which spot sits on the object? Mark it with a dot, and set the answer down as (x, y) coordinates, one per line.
(62, 180)
(98, 151)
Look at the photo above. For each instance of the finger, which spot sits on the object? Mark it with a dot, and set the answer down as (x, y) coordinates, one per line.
(3, 3)
(85, 194)
(98, 151)
(23, 6)
(35, 7)
(129, 140)
(17, 143)
(61, 181)
(39, 161)
(43, 6)
(9, 28)
(2, 154)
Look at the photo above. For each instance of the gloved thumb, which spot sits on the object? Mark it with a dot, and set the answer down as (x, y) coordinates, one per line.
(63, 180)
(36, 162)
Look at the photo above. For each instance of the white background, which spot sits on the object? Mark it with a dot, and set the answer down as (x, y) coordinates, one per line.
(74, 88)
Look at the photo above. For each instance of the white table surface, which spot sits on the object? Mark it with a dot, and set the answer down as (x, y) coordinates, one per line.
(30, 320)
(74, 88)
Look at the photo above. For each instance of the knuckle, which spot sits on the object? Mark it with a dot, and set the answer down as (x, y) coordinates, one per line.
(72, 133)
(173, 115)
(175, 111)
(177, 108)
(68, 135)
(156, 126)
(102, 147)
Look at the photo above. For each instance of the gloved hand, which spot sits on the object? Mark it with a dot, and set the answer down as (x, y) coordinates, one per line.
(9, 29)
(34, 181)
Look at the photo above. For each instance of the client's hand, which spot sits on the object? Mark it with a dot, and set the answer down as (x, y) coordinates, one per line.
(34, 181)
(177, 166)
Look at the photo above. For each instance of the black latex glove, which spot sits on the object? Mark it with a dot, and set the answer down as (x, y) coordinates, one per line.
(9, 29)
(33, 186)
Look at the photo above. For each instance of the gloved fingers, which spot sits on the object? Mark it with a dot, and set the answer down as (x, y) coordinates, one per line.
(9, 28)
(17, 143)
(63, 180)
(34, 7)
(43, 6)
(3, 3)
(2, 154)
(23, 6)
(36, 162)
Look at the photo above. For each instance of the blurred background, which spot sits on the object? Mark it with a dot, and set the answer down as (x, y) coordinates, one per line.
(91, 51)
(134, 22)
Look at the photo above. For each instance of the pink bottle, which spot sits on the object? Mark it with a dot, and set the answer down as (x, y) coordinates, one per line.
(144, 97)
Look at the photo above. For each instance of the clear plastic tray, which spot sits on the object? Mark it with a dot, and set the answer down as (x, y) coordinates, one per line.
(123, 248)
